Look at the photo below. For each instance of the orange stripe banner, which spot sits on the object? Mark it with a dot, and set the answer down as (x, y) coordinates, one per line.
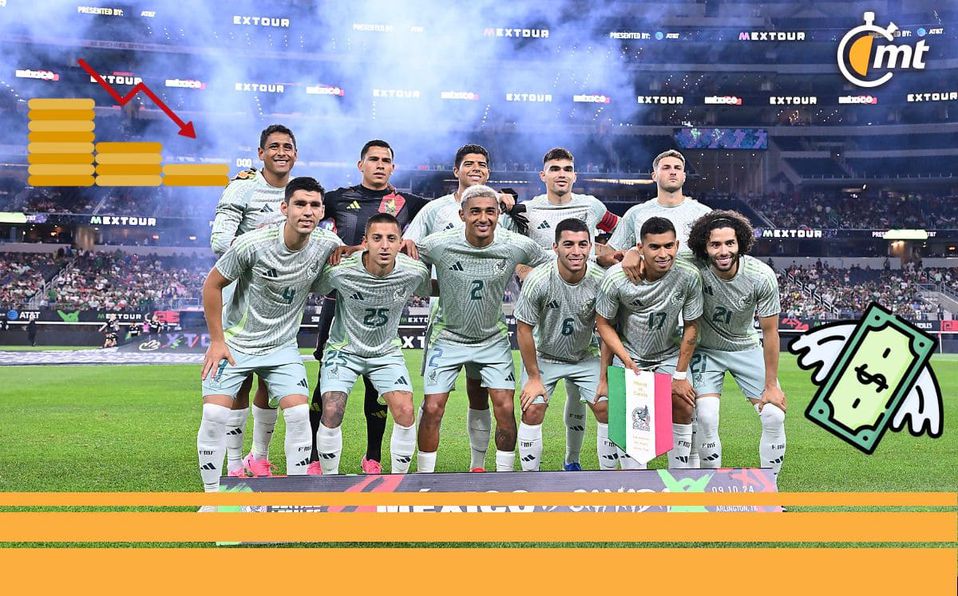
(466, 571)
(479, 527)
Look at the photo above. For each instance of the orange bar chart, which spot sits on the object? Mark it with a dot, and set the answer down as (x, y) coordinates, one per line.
(62, 151)
(60, 142)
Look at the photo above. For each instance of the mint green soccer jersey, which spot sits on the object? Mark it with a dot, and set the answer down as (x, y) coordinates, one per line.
(562, 314)
(272, 282)
(245, 205)
(682, 216)
(730, 306)
(645, 314)
(369, 308)
(543, 216)
(472, 282)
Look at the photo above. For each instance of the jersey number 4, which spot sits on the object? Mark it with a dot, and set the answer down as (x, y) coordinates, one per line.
(288, 294)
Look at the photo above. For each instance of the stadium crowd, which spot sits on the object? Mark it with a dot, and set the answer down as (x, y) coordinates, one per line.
(823, 210)
(22, 275)
(117, 281)
(820, 291)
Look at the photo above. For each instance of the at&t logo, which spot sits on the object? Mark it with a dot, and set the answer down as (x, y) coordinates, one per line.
(861, 60)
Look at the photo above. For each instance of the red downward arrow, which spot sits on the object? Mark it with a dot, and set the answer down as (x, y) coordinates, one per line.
(186, 128)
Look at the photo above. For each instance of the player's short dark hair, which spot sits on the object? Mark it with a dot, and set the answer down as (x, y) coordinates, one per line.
(303, 183)
(656, 225)
(275, 128)
(376, 143)
(557, 153)
(467, 149)
(669, 153)
(703, 226)
(572, 224)
(386, 218)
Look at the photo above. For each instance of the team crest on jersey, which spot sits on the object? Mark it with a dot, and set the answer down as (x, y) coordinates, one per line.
(392, 203)
(245, 174)
(677, 297)
(587, 307)
(500, 267)
(399, 295)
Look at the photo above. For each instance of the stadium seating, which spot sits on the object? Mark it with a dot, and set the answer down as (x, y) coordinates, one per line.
(832, 293)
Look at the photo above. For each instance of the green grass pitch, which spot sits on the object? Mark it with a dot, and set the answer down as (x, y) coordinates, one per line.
(133, 428)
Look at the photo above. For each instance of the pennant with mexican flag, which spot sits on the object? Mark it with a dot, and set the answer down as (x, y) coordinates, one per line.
(640, 412)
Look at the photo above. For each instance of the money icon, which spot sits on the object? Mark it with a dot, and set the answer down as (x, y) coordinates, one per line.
(873, 372)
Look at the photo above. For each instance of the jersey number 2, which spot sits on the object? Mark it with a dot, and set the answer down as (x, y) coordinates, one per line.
(476, 292)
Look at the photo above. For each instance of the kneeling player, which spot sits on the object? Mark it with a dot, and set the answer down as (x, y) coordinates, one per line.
(736, 288)
(637, 322)
(275, 268)
(374, 286)
(555, 326)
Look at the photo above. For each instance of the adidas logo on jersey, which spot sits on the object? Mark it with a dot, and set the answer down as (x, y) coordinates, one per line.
(234, 431)
(401, 381)
(209, 466)
(708, 290)
(305, 462)
(358, 296)
(552, 304)
(266, 209)
(511, 377)
(354, 205)
(303, 383)
(327, 455)
(636, 302)
(457, 267)
(449, 226)
(270, 273)
(544, 226)
(403, 459)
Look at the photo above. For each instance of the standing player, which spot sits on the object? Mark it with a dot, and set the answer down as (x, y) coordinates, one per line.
(555, 327)
(373, 286)
(350, 208)
(471, 168)
(668, 172)
(275, 268)
(544, 213)
(251, 201)
(736, 288)
(637, 323)
(473, 266)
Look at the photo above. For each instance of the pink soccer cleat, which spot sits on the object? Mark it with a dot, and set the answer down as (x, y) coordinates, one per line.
(258, 468)
(314, 469)
(371, 466)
